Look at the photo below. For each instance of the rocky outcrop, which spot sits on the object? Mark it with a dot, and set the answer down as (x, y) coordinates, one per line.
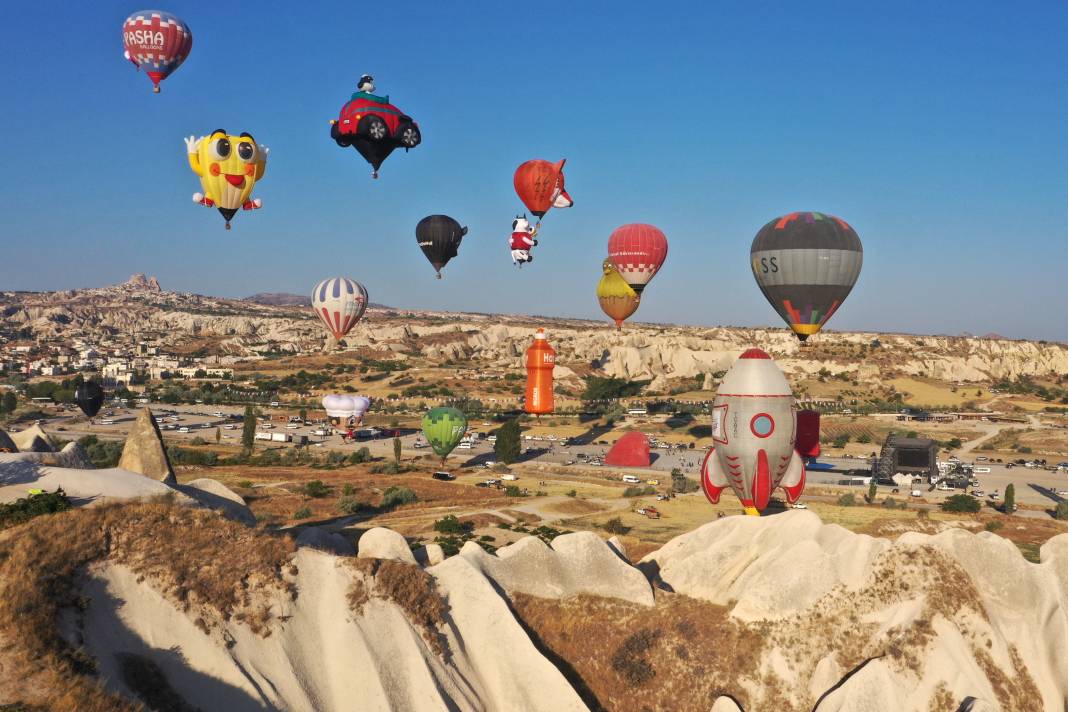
(6, 443)
(934, 618)
(382, 543)
(323, 540)
(145, 452)
(32, 439)
(577, 563)
(215, 495)
(319, 653)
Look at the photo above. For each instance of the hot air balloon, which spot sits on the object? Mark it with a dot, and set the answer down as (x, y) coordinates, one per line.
(360, 406)
(444, 428)
(339, 303)
(439, 238)
(157, 41)
(229, 167)
(806, 264)
(540, 185)
(541, 360)
(618, 299)
(638, 251)
(753, 434)
(89, 396)
(373, 126)
(338, 407)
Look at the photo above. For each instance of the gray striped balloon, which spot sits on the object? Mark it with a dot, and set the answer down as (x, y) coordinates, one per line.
(806, 264)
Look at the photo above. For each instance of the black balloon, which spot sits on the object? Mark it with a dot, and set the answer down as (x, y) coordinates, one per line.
(89, 396)
(374, 152)
(439, 238)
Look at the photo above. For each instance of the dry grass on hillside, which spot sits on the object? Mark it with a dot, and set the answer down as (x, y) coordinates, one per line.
(684, 653)
(199, 560)
(409, 587)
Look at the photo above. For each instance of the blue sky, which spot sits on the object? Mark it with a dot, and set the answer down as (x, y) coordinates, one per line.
(936, 129)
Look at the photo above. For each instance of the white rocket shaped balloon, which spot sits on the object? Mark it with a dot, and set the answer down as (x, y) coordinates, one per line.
(753, 425)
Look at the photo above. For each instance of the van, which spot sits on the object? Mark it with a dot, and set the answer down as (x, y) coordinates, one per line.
(981, 470)
(632, 480)
(465, 445)
(183, 429)
(510, 477)
(102, 422)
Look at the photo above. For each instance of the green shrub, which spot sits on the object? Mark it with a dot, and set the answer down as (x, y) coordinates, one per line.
(847, 500)
(185, 456)
(316, 488)
(961, 503)
(246, 484)
(348, 490)
(513, 491)
(348, 504)
(302, 513)
(198, 441)
(993, 526)
(335, 457)
(388, 468)
(102, 453)
(450, 524)
(639, 491)
(572, 493)
(26, 508)
(396, 496)
(615, 526)
(361, 455)
(1061, 512)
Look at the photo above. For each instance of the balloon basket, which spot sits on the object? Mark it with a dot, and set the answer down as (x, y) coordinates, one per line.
(227, 226)
(155, 89)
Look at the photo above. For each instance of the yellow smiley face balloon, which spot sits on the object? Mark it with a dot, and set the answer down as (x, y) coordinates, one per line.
(229, 167)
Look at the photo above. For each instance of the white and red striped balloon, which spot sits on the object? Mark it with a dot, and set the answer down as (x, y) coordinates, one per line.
(638, 251)
(339, 302)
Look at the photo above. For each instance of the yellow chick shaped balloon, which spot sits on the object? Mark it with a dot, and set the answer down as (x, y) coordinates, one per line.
(229, 167)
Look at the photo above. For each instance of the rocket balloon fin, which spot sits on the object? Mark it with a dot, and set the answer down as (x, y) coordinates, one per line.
(793, 482)
(713, 481)
(762, 481)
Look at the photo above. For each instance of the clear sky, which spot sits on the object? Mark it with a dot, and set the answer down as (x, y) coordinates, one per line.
(937, 129)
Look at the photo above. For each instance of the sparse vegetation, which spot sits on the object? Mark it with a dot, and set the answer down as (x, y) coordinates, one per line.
(102, 453)
(24, 509)
(508, 448)
(398, 496)
(961, 503)
(615, 526)
(847, 500)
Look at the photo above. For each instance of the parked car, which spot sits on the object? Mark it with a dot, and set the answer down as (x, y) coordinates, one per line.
(800, 505)
(447, 476)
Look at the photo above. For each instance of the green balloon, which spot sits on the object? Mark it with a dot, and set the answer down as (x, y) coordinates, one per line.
(444, 428)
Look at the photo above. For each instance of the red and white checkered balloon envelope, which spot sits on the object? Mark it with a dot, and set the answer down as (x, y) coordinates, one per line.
(638, 251)
(157, 42)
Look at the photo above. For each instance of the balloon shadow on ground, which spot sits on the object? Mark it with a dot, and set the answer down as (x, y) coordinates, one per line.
(532, 453)
(588, 437)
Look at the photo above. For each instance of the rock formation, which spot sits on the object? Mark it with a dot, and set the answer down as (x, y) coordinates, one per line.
(382, 543)
(577, 563)
(145, 452)
(6, 443)
(32, 439)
